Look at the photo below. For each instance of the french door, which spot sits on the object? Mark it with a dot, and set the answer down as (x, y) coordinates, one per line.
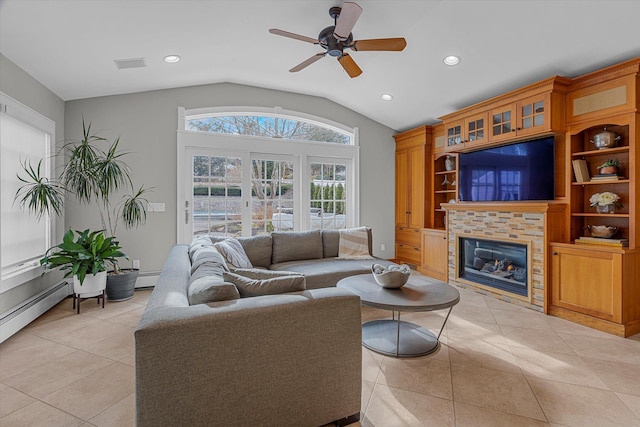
(238, 193)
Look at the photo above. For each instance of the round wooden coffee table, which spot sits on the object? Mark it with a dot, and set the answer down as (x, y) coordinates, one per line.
(394, 337)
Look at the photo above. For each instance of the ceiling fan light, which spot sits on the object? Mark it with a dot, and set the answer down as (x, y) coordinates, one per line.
(386, 97)
(172, 59)
(451, 60)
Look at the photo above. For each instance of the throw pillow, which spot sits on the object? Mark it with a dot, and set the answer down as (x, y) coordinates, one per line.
(207, 254)
(197, 243)
(233, 253)
(206, 284)
(277, 285)
(354, 243)
(296, 245)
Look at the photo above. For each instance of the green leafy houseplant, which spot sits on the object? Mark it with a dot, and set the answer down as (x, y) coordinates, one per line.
(89, 253)
(93, 176)
(610, 163)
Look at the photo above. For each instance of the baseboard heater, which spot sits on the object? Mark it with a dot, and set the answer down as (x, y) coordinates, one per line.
(21, 315)
(147, 279)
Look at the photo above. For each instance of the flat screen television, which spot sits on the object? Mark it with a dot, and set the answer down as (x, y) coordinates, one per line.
(520, 171)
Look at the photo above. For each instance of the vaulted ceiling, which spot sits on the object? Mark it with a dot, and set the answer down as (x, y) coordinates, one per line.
(70, 47)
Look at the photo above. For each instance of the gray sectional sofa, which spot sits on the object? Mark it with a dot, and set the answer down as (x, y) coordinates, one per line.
(290, 359)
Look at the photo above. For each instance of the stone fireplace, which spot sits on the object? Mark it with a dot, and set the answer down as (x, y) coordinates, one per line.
(500, 249)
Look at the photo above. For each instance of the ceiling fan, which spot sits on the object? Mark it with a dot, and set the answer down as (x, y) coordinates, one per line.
(338, 37)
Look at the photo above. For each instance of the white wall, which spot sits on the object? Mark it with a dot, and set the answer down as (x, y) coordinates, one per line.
(147, 122)
(20, 86)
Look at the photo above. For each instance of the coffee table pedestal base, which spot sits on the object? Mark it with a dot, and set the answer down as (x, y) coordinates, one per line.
(398, 338)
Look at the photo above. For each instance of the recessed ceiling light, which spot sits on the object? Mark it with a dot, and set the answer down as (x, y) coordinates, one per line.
(451, 60)
(172, 58)
(386, 97)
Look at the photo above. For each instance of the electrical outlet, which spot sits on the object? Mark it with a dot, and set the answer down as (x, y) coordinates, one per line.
(383, 247)
(136, 264)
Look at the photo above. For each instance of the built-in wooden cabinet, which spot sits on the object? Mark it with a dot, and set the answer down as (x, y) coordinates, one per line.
(537, 109)
(413, 180)
(434, 254)
(445, 186)
(599, 284)
(583, 215)
(598, 287)
(467, 132)
(529, 116)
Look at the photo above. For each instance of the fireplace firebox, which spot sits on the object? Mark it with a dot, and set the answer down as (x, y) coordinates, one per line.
(497, 264)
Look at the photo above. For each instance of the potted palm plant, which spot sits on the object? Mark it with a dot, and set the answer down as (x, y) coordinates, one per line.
(93, 176)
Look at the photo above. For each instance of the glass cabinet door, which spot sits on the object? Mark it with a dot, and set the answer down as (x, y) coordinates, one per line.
(502, 123)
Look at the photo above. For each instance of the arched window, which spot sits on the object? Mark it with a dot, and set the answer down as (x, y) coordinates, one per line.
(269, 123)
(282, 171)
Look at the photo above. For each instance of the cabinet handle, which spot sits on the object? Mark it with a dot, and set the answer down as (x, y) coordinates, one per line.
(555, 253)
(513, 130)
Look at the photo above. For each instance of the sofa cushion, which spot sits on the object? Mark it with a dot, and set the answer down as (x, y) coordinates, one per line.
(330, 243)
(324, 273)
(233, 253)
(259, 273)
(197, 243)
(293, 246)
(258, 249)
(207, 284)
(249, 287)
(204, 254)
(354, 243)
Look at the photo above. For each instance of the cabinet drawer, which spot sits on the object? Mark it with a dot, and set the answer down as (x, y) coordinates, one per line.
(409, 236)
(409, 254)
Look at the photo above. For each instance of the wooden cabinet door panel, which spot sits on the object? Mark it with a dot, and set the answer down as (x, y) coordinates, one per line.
(417, 187)
(402, 188)
(588, 282)
(434, 254)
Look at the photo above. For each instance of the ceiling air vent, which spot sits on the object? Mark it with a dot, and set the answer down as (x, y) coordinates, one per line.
(130, 63)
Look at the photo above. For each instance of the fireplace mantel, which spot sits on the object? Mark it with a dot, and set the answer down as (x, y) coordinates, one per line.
(551, 206)
(537, 223)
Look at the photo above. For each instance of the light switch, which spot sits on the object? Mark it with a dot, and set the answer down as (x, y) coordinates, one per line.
(156, 207)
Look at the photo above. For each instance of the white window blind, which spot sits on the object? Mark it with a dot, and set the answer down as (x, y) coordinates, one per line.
(24, 136)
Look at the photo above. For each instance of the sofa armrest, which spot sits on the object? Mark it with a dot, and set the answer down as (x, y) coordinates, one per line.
(290, 359)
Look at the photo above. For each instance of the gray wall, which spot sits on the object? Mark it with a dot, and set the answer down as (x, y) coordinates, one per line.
(147, 122)
(20, 86)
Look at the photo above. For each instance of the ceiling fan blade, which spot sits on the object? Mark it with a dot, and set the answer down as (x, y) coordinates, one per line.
(349, 65)
(395, 44)
(293, 35)
(306, 63)
(348, 16)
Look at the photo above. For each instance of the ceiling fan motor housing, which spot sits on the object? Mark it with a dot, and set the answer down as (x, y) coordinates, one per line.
(333, 46)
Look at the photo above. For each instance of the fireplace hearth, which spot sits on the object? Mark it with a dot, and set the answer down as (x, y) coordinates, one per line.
(497, 264)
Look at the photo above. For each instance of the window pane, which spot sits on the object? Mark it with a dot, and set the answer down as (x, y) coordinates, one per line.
(22, 235)
(267, 126)
(217, 200)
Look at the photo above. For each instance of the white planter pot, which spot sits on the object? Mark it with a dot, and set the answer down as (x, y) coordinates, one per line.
(92, 285)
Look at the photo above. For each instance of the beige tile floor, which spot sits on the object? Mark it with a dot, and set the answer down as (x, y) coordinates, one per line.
(499, 365)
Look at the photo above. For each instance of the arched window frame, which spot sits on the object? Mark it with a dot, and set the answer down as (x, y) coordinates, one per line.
(277, 112)
(247, 145)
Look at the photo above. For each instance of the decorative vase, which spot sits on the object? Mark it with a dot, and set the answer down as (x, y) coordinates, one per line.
(606, 209)
(449, 163)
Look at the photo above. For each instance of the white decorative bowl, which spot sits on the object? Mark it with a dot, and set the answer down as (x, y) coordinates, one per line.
(392, 277)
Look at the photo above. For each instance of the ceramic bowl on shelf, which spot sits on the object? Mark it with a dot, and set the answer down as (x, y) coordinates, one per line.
(603, 231)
